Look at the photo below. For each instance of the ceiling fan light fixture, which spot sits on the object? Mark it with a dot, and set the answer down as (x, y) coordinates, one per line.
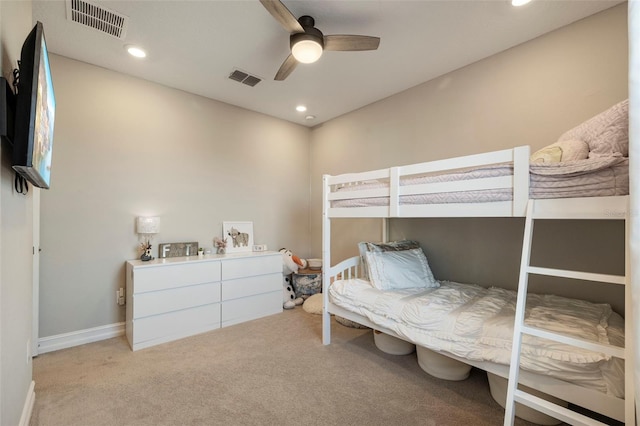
(306, 48)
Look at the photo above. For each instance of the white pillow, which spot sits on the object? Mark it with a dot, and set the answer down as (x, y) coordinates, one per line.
(390, 270)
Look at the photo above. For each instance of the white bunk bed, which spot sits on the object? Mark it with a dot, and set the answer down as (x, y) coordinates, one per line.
(412, 191)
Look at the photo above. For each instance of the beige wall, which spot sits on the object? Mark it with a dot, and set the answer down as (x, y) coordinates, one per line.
(527, 95)
(125, 147)
(16, 235)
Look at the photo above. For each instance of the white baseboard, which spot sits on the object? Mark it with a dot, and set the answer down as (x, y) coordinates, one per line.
(25, 418)
(81, 337)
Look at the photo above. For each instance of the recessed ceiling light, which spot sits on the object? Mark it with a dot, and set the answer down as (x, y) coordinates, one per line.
(301, 108)
(310, 117)
(519, 2)
(135, 51)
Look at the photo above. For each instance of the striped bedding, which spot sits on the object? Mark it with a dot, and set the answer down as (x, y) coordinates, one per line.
(595, 177)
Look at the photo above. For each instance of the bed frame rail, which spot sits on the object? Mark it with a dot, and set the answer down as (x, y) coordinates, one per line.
(347, 269)
(518, 182)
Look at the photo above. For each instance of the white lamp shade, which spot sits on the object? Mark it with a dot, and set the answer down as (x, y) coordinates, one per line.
(148, 225)
(306, 51)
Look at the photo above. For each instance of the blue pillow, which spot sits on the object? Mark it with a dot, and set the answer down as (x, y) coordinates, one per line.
(389, 270)
(365, 247)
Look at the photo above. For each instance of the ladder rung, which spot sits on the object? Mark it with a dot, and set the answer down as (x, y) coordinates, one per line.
(588, 276)
(589, 345)
(554, 410)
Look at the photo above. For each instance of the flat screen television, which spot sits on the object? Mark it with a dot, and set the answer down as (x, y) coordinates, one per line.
(35, 112)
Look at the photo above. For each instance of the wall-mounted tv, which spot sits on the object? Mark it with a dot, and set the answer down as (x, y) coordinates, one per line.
(35, 112)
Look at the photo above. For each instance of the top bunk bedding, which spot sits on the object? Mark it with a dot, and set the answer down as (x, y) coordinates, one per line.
(599, 177)
(587, 162)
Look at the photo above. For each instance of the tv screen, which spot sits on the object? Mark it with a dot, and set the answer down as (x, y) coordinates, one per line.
(35, 112)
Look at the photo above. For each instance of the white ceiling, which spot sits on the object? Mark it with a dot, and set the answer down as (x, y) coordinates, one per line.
(195, 45)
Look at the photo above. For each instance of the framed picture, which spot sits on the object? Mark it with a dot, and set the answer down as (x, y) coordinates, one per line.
(239, 236)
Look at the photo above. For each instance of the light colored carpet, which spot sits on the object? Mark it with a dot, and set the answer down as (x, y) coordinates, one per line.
(271, 371)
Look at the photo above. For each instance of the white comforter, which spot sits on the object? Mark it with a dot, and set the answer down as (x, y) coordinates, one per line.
(476, 323)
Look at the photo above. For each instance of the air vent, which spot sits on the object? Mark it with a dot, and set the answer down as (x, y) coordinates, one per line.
(238, 75)
(251, 81)
(244, 78)
(97, 17)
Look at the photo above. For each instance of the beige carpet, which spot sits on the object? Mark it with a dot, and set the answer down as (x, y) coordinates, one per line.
(271, 371)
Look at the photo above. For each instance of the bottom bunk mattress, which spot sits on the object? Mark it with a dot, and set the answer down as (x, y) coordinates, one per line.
(476, 323)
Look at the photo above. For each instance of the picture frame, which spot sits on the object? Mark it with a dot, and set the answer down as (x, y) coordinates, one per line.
(239, 236)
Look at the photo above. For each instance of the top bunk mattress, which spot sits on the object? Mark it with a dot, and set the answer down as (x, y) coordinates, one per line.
(596, 177)
(476, 323)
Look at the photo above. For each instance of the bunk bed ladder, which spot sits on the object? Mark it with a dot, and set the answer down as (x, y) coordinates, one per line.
(515, 395)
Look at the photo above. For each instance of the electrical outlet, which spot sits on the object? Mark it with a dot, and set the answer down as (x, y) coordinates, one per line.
(259, 247)
(120, 296)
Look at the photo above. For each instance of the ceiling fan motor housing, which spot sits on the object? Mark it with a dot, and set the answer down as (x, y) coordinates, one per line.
(310, 32)
(295, 38)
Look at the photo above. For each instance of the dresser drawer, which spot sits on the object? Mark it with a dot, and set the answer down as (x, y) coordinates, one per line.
(172, 299)
(247, 267)
(243, 287)
(174, 325)
(163, 277)
(157, 302)
(248, 308)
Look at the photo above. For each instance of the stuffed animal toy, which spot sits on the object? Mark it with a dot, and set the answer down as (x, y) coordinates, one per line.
(289, 299)
(290, 262)
(290, 265)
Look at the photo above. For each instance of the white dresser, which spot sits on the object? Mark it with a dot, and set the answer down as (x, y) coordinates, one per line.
(172, 298)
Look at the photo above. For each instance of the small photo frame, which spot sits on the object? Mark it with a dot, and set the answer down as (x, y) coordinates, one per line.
(239, 236)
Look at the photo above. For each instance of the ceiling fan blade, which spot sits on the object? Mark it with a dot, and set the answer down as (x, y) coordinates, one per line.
(286, 68)
(350, 42)
(279, 11)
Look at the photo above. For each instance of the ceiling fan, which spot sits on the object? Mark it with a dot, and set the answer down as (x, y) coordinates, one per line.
(307, 42)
